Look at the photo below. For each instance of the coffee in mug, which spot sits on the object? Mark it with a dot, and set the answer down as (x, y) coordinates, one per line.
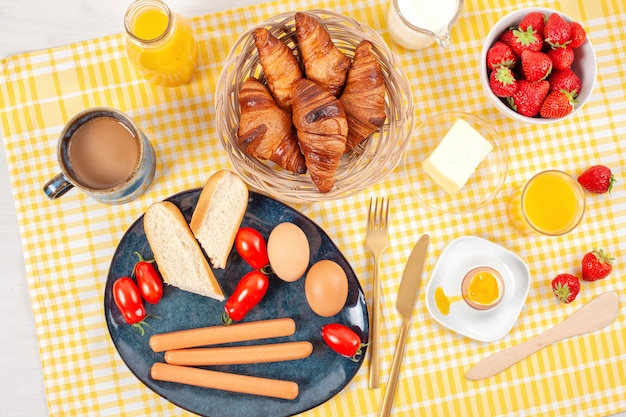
(104, 154)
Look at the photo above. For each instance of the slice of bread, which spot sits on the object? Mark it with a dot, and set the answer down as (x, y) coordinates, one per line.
(177, 253)
(218, 214)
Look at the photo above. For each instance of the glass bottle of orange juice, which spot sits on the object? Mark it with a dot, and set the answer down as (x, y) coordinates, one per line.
(160, 43)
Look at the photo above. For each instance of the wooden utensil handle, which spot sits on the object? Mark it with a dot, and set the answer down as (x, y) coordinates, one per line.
(385, 410)
(599, 312)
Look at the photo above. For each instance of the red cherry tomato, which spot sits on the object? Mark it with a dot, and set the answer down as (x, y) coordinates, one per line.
(252, 247)
(128, 300)
(343, 340)
(148, 280)
(249, 291)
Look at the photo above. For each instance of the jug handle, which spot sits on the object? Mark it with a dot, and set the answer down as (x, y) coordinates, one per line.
(57, 186)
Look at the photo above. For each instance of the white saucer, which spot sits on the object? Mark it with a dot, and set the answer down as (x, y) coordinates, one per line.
(461, 255)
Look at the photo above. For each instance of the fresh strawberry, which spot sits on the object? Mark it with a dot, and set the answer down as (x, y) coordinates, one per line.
(565, 80)
(536, 65)
(508, 37)
(529, 97)
(566, 287)
(598, 179)
(520, 40)
(536, 20)
(557, 31)
(558, 104)
(503, 82)
(501, 54)
(561, 58)
(596, 265)
(578, 35)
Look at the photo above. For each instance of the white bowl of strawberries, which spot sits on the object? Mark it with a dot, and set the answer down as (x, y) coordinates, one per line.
(538, 65)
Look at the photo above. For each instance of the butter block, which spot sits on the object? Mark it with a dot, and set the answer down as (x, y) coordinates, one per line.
(456, 157)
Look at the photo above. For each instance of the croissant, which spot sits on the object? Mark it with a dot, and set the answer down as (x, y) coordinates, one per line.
(363, 98)
(322, 128)
(279, 65)
(323, 62)
(265, 131)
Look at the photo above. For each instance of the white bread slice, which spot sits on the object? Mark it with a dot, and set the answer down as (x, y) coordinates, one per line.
(177, 253)
(218, 214)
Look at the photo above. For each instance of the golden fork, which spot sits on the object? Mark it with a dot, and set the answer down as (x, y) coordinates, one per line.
(376, 242)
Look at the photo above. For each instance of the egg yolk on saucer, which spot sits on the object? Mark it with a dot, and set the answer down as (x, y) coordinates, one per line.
(443, 301)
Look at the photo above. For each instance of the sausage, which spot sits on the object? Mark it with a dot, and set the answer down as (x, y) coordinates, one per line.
(237, 355)
(214, 335)
(224, 381)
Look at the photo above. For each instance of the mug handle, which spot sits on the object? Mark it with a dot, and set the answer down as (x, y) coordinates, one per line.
(57, 186)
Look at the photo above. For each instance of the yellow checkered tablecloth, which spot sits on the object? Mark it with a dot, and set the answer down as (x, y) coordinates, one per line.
(68, 243)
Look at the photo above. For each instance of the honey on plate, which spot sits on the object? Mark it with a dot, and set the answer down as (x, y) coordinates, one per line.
(160, 43)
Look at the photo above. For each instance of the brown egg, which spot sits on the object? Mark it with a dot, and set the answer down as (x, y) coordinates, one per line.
(326, 288)
(482, 288)
(288, 251)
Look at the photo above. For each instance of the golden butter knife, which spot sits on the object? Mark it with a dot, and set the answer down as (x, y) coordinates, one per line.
(407, 296)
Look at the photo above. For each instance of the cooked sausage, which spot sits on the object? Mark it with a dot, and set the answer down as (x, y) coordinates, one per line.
(225, 381)
(236, 355)
(214, 335)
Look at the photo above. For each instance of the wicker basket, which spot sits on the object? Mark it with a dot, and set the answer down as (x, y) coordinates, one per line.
(368, 163)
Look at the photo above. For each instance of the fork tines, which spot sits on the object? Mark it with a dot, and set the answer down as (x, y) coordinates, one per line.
(378, 216)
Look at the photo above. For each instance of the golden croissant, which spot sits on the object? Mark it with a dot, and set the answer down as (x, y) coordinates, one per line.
(322, 128)
(363, 97)
(279, 65)
(323, 62)
(266, 131)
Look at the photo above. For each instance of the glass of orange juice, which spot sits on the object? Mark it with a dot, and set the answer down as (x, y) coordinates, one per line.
(160, 43)
(551, 203)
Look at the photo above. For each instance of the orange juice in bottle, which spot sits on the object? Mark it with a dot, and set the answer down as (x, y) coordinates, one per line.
(160, 43)
(551, 203)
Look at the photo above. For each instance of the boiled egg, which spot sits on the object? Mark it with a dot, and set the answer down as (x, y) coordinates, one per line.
(288, 251)
(482, 288)
(326, 288)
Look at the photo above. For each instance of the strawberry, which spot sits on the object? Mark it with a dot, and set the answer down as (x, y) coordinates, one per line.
(520, 40)
(566, 287)
(501, 54)
(561, 58)
(597, 179)
(565, 80)
(536, 20)
(558, 104)
(535, 65)
(529, 97)
(596, 265)
(557, 31)
(577, 35)
(508, 37)
(502, 82)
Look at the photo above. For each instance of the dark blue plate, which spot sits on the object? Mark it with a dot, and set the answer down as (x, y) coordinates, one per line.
(320, 376)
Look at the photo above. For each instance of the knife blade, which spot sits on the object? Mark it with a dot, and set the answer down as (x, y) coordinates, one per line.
(407, 296)
(412, 277)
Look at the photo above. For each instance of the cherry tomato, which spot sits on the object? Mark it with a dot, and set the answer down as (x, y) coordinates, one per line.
(249, 291)
(128, 300)
(252, 247)
(148, 280)
(343, 340)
